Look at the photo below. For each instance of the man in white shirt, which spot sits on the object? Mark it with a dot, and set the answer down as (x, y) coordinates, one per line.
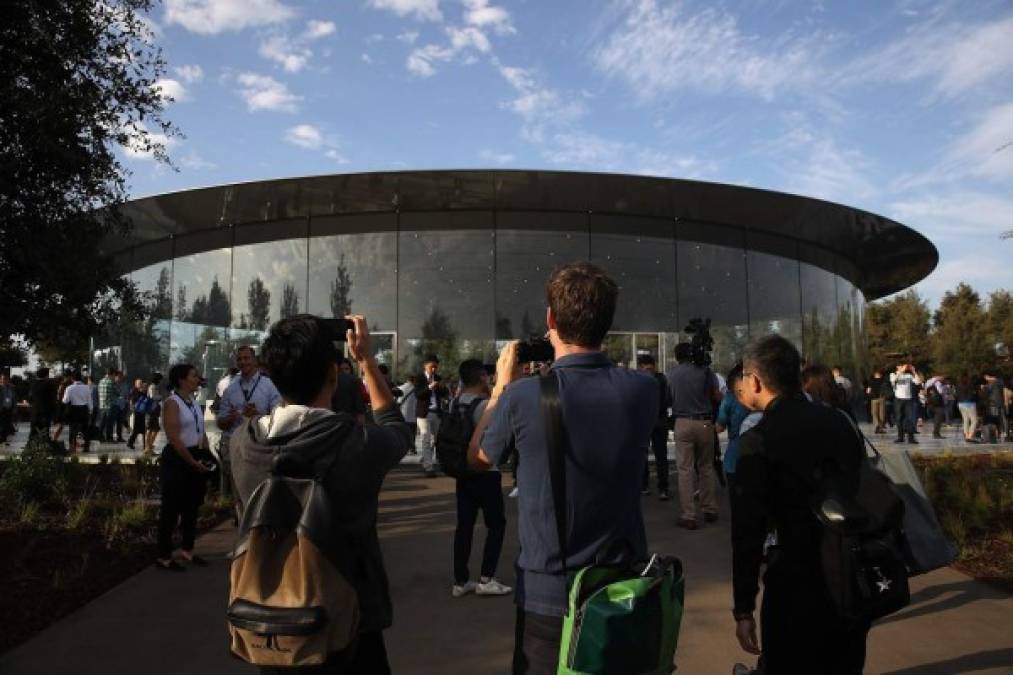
(78, 399)
(248, 394)
(906, 381)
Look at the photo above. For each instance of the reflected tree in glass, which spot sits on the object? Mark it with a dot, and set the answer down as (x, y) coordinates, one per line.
(289, 301)
(341, 291)
(258, 303)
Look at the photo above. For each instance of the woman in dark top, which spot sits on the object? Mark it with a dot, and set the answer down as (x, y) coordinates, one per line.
(818, 381)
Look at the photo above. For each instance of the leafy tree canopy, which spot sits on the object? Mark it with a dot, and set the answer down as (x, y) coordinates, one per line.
(77, 80)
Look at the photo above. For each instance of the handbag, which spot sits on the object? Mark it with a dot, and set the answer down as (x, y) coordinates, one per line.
(621, 619)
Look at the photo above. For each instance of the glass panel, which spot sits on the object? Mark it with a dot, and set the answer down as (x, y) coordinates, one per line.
(201, 311)
(648, 344)
(639, 253)
(354, 270)
(619, 348)
(146, 343)
(774, 295)
(445, 289)
(268, 282)
(528, 247)
(819, 309)
(712, 284)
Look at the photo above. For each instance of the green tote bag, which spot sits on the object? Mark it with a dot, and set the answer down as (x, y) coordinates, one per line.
(621, 619)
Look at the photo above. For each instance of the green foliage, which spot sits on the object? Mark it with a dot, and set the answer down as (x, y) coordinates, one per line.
(34, 477)
(960, 342)
(341, 291)
(77, 81)
(289, 301)
(258, 300)
(898, 328)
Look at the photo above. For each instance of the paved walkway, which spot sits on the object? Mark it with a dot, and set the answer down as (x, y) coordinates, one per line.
(163, 624)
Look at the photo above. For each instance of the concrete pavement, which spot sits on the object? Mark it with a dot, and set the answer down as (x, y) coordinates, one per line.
(161, 624)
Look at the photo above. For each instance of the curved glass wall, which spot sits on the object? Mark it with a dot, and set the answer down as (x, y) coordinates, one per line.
(459, 284)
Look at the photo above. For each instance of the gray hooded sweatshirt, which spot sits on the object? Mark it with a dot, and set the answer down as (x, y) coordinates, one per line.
(353, 482)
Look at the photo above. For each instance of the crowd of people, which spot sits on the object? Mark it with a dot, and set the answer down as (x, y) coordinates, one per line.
(301, 397)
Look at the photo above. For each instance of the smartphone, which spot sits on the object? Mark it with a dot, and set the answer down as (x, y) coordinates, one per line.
(338, 328)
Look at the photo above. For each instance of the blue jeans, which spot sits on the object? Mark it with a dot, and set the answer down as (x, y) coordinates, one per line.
(906, 411)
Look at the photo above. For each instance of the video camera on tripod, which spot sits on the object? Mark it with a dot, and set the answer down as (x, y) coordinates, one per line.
(701, 343)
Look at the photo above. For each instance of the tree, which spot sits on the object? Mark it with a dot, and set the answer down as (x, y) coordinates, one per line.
(341, 291)
(258, 300)
(961, 342)
(218, 313)
(182, 313)
(77, 80)
(289, 301)
(898, 328)
(999, 317)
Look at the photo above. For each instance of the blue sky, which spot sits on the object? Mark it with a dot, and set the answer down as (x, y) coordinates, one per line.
(904, 108)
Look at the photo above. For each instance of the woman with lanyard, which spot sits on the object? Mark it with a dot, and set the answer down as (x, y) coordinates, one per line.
(185, 463)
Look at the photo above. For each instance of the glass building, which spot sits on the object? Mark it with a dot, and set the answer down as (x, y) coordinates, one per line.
(455, 263)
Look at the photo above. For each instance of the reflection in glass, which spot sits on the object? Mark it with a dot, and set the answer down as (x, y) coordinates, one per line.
(201, 311)
(446, 292)
(354, 272)
(268, 283)
(774, 296)
(819, 310)
(712, 283)
(146, 343)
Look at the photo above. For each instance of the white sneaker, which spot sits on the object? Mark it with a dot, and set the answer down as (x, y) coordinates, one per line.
(463, 589)
(491, 587)
(513, 493)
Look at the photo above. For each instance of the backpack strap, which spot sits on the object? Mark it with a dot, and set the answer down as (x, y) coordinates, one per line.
(552, 412)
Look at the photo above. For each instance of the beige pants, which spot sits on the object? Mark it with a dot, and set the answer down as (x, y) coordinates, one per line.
(879, 413)
(694, 459)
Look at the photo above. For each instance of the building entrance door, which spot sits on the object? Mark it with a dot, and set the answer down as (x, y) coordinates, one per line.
(624, 348)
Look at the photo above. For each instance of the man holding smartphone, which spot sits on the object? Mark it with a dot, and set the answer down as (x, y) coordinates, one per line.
(249, 393)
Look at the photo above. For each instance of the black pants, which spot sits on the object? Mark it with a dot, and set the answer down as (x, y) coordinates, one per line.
(938, 417)
(137, 429)
(182, 493)
(800, 633)
(906, 410)
(659, 444)
(536, 643)
(480, 491)
(368, 656)
(39, 426)
(6, 428)
(79, 420)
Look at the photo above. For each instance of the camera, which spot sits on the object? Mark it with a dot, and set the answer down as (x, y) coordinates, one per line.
(338, 328)
(538, 348)
(701, 343)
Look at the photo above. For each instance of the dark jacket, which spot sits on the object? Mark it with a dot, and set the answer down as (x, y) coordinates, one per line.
(353, 482)
(44, 397)
(776, 484)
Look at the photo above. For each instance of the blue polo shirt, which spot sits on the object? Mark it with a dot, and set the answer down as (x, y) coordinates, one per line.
(608, 414)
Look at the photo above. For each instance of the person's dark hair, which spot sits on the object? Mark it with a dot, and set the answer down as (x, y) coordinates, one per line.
(76, 376)
(683, 352)
(583, 301)
(178, 373)
(471, 371)
(42, 372)
(247, 348)
(156, 378)
(383, 368)
(430, 358)
(734, 375)
(297, 353)
(110, 371)
(777, 363)
(818, 381)
(646, 360)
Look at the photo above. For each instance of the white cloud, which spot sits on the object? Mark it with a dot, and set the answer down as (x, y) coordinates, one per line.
(955, 215)
(366, 58)
(134, 148)
(985, 272)
(538, 104)
(305, 136)
(169, 88)
(662, 49)
(318, 29)
(190, 73)
(422, 10)
(262, 92)
(582, 150)
(408, 37)
(209, 17)
(480, 13)
(280, 49)
(421, 60)
(312, 138)
(958, 57)
(464, 38)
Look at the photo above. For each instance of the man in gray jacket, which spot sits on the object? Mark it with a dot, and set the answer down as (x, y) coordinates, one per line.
(301, 357)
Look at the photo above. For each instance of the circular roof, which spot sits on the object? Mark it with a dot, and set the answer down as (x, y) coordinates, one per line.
(877, 254)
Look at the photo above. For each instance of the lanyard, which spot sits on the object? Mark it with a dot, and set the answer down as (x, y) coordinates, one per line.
(196, 415)
(247, 395)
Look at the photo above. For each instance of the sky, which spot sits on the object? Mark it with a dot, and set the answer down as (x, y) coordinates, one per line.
(900, 107)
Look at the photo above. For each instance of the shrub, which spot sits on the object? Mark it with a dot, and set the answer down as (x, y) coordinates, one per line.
(35, 475)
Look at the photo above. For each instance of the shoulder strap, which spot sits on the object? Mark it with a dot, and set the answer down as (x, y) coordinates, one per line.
(552, 412)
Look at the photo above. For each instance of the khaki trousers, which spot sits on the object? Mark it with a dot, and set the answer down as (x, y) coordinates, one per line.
(694, 460)
(879, 413)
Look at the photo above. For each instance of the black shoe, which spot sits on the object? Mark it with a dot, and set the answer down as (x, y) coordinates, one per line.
(196, 561)
(898, 440)
(912, 440)
(710, 517)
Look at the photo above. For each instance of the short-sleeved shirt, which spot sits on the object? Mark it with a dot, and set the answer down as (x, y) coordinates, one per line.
(608, 414)
(692, 389)
(258, 390)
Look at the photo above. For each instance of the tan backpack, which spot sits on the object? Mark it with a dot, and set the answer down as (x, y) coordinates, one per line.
(288, 603)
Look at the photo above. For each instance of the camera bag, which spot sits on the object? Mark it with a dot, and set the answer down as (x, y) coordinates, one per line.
(289, 605)
(621, 619)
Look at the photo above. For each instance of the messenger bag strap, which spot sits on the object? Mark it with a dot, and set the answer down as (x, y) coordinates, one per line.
(552, 413)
